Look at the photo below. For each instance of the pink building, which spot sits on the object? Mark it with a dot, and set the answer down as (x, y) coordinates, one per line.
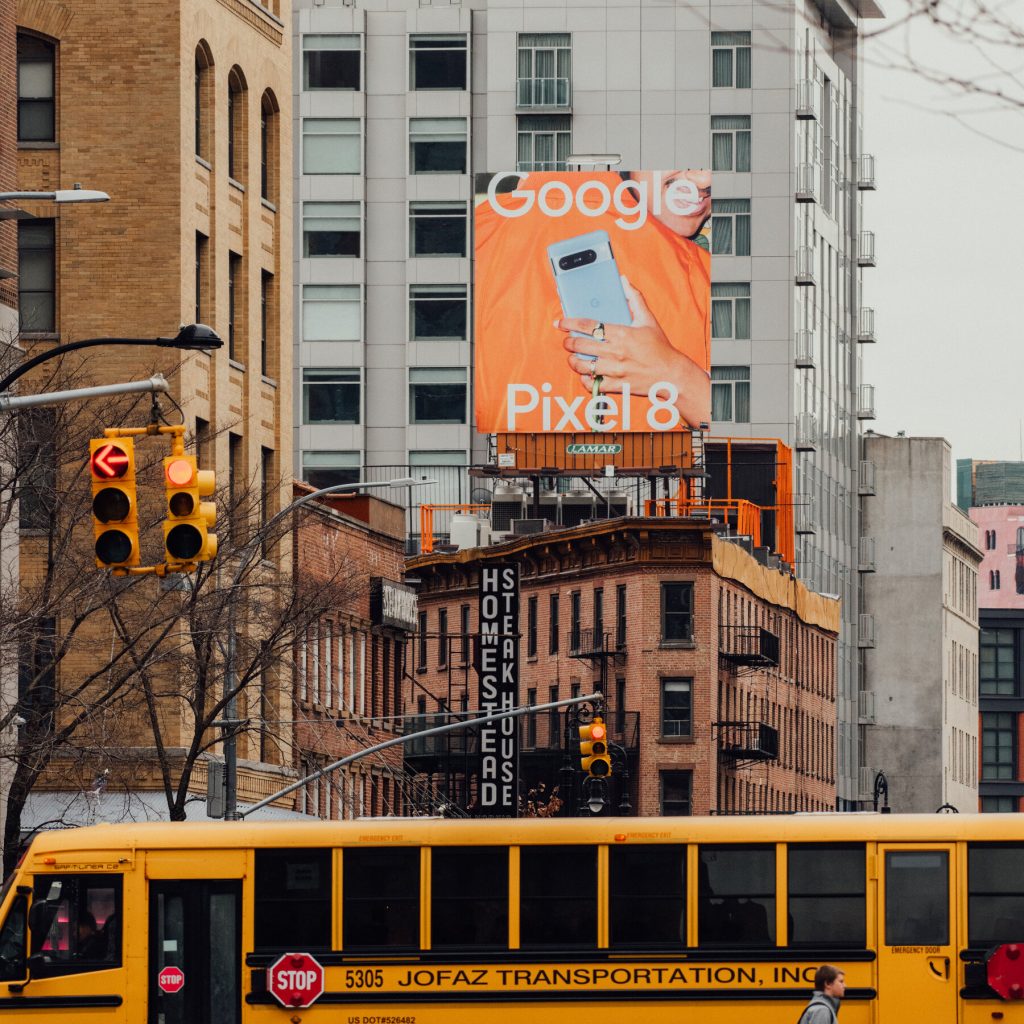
(1001, 573)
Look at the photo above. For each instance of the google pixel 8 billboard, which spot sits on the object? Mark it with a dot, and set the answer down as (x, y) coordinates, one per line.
(593, 302)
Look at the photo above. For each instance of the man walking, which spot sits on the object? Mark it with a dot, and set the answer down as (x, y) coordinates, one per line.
(829, 988)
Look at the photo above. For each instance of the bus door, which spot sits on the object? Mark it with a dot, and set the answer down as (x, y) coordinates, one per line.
(917, 942)
(195, 952)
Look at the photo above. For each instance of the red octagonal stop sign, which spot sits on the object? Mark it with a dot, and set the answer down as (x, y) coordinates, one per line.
(171, 980)
(296, 980)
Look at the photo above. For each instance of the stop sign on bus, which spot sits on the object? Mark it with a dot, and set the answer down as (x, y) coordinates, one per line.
(296, 980)
(171, 980)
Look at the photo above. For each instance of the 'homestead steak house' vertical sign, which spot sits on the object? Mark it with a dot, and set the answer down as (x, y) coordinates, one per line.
(498, 668)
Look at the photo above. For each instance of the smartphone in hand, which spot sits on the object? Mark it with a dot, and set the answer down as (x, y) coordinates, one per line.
(588, 280)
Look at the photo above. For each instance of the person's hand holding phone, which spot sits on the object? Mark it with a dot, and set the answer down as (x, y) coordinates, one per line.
(640, 354)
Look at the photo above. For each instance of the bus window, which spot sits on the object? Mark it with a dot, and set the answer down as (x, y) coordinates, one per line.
(293, 899)
(76, 927)
(381, 901)
(469, 897)
(737, 896)
(557, 896)
(916, 898)
(12, 941)
(647, 896)
(995, 893)
(827, 895)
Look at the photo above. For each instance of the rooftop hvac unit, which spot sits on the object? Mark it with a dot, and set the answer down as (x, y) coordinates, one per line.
(508, 502)
(524, 526)
(551, 506)
(468, 531)
(613, 504)
(577, 507)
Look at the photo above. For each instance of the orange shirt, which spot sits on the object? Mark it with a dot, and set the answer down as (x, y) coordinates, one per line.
(517, 302)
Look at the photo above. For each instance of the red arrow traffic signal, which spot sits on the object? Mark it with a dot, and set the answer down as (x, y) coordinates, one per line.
(110, 461)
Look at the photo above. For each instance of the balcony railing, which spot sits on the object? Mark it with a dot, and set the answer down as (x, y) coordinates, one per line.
(590, 643)
(748, 645)
(866, 326)
(804, 358)
(866, 554)
(866, 706)
(805, 266)
(543, 92)
(866, 478)
(866, 249)
(866, 402)
(866, 173)
(807, 93)
(806, 432)
(804, 519)
(865, 630)
(807, 176)
(747, 741)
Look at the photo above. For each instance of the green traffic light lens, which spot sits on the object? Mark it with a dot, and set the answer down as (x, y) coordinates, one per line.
(111, 505)
(113, 547)
(184, 542)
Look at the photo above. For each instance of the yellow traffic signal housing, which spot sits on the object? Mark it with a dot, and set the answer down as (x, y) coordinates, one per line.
(187, 537)
(594, 759)
(115, 520)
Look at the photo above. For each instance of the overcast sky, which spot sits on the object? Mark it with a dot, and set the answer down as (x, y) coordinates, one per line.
(948, 218)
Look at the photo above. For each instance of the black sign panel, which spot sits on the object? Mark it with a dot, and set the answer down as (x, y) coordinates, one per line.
(393, 604)
(498, 668)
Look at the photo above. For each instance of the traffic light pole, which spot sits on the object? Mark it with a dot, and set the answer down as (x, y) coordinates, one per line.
(155, 383)
(438, 730)
(229, 702)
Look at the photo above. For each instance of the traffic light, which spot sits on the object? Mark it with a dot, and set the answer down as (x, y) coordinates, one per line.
(594, 757)
(115, 522)
(186, 529)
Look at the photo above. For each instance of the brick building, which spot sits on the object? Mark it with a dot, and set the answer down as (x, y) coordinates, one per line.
(350, 663)
(175, 111)
(718, 672)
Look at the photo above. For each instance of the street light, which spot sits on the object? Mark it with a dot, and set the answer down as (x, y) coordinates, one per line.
(62, 195)
(188, 338)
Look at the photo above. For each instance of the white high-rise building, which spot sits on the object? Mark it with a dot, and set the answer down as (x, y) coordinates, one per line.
(398, 103)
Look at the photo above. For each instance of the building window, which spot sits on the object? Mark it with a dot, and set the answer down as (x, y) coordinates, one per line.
(37, 465)
(203, 85)
(330, 62)
(676, 612)
(437, 145)
(544, 141)
(331, 312)
(331, 229)
(202, 277)
(266, 299)
(442, 637)
(675, 793)
(620, 616)
(531, 627)
(235, 302)
(421, 644)
(37, 275)
(730, 227)
(730, 394)
(598, 618)
(998, 745)
(730, 142)
(730, 311)
(997, 663)
(437, 394)
(464, 633)
(331, 145)
(990, 540)
(270, 121)
(574, 621)
(437, 62)
(993, 579)
(437, 229)
(237, 121)
(998, 804)
(730, 60)
(438, 312)
(544, 69)
(267, 508)
(327, 469)
(553, 624)
(676, 707)
(331, 396)
(36, 114)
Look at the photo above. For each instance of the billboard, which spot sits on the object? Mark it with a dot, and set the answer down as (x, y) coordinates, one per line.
(593, 302)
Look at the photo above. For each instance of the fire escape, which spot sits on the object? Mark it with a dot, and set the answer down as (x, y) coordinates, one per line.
(745, 742)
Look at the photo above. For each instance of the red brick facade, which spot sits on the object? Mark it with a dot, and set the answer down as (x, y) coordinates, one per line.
(756, 650)
(348, 672)
(8, 150)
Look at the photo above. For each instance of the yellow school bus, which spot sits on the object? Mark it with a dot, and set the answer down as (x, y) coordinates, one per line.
(423, 921)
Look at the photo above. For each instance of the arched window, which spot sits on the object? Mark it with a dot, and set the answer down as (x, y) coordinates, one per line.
(270, 121)
(37, 121)
(237, 134)
(204, 101)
